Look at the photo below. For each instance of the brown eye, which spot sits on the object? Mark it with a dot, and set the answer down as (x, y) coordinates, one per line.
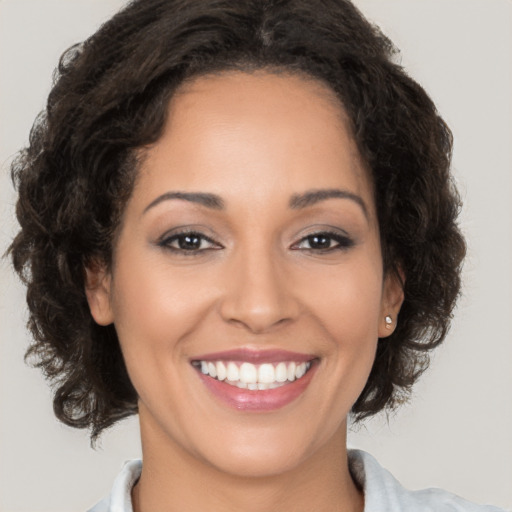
(319, 241)
(189, 243)
(324, 241)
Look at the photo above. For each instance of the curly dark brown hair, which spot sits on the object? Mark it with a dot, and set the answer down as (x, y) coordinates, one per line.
(109, 99)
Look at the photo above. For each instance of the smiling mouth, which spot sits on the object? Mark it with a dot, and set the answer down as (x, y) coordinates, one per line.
(254, 377)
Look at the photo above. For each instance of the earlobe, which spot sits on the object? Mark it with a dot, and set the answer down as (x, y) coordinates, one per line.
(392, 299)
(97, 291)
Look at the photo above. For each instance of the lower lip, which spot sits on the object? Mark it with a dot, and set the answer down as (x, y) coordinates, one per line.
(258, 401)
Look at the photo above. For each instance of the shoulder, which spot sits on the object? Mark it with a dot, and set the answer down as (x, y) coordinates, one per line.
(384, 493)
(120, 499)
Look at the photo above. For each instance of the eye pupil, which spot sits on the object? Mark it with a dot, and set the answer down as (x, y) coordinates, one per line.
(188, 242)
(319, 241)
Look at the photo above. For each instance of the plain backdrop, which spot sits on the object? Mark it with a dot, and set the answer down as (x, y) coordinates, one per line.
(457, 431)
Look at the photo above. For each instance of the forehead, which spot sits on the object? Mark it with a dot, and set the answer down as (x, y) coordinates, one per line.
(263, 89)
(254, 133)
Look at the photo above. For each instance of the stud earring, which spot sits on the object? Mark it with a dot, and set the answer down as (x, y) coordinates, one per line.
(389, 321)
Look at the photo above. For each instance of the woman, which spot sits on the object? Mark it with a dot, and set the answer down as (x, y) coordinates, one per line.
(237, 220)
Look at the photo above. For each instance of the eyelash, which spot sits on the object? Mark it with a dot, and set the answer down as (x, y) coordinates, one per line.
(168, 240)
(343, 242)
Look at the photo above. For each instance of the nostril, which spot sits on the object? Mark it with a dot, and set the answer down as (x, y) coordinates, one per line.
(256, 319)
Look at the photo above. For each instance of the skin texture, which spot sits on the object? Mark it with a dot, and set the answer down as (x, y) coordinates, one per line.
(255, 140)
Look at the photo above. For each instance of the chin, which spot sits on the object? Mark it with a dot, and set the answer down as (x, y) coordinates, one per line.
(257, 461)
(267, 452)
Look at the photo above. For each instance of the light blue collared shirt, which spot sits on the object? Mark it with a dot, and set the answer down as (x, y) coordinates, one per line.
(382, 492)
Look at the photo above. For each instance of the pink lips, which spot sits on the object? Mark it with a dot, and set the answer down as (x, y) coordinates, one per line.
(263, 400)
(256, 356)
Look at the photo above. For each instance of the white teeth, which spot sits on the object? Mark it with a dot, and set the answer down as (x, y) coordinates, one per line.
(232, 372)
(254, 377)
(248, 373)
(281, 372)
(266, 373)
(291, 372)
(212, 370)
(221, 371)
(300, 370)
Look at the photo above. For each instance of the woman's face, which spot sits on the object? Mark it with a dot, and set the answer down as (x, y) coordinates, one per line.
(249, 252)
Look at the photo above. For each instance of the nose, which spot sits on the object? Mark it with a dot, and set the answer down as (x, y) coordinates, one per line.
(259, 293)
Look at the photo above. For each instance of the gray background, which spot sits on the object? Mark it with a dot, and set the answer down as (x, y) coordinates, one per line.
(456, 433)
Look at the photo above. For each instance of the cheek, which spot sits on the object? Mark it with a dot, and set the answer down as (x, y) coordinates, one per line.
(156, 313)
(155, 308)
(347, 299)
(347, 304)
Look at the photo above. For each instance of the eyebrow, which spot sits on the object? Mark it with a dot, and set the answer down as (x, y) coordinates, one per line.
(297, 201)
(311, 197)
(212, 201)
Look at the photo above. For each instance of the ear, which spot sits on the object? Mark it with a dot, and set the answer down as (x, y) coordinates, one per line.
(98, 291)
(392, 299)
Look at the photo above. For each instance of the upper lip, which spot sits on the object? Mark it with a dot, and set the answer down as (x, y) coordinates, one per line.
(256, 356)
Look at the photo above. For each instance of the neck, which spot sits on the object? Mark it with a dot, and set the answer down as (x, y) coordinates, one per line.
(173, 480)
